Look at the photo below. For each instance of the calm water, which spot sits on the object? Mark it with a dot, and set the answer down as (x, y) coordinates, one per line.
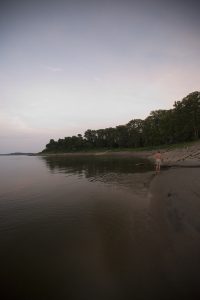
(77, 228)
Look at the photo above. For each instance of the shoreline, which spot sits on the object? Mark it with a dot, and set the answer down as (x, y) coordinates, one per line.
(188, 156)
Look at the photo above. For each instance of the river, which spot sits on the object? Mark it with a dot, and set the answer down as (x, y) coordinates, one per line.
(78, 228)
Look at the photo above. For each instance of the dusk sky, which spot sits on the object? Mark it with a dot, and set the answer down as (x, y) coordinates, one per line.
(69, 66)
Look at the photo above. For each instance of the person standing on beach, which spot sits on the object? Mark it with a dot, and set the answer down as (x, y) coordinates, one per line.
(158, 159)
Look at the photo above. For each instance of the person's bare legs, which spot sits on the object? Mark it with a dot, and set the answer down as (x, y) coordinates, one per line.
(157, 168)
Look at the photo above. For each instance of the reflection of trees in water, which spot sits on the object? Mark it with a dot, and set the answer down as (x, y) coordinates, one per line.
(97, 168)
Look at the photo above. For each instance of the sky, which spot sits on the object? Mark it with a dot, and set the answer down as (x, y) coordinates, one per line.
(69, 66)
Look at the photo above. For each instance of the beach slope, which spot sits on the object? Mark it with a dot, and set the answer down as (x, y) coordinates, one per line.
(175, 209)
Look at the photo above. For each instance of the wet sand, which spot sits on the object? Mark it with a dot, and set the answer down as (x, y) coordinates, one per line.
(175, 211)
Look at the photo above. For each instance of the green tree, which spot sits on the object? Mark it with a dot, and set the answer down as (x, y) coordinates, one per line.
(51, 146)
(122, 136)
(182, 123)
(135, 133)
(187, 113)
(91, 138)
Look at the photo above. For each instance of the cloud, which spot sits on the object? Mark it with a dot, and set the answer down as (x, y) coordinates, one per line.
(53, 69)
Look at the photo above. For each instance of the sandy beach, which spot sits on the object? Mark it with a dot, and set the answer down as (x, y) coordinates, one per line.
(175, 207)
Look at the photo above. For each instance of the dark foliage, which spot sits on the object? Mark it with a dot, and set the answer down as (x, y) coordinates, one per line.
(180, 124)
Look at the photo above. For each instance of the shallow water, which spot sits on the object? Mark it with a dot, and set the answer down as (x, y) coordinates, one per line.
(77, 228)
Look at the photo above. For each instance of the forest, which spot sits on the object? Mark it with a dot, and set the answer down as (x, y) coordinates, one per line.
(161, 127)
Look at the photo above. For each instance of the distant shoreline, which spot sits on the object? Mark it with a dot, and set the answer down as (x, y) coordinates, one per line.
(99, 153)
(18, 154)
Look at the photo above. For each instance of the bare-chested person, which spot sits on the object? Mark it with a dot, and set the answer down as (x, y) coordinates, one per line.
(158, 159)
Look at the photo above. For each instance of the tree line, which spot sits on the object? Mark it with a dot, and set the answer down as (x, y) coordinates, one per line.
(179, 124)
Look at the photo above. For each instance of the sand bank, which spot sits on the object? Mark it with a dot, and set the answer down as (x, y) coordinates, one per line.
(175, 210)
(178, 156)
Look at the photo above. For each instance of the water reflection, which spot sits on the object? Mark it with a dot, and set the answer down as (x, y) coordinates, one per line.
(99, 168)
(80, 231)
